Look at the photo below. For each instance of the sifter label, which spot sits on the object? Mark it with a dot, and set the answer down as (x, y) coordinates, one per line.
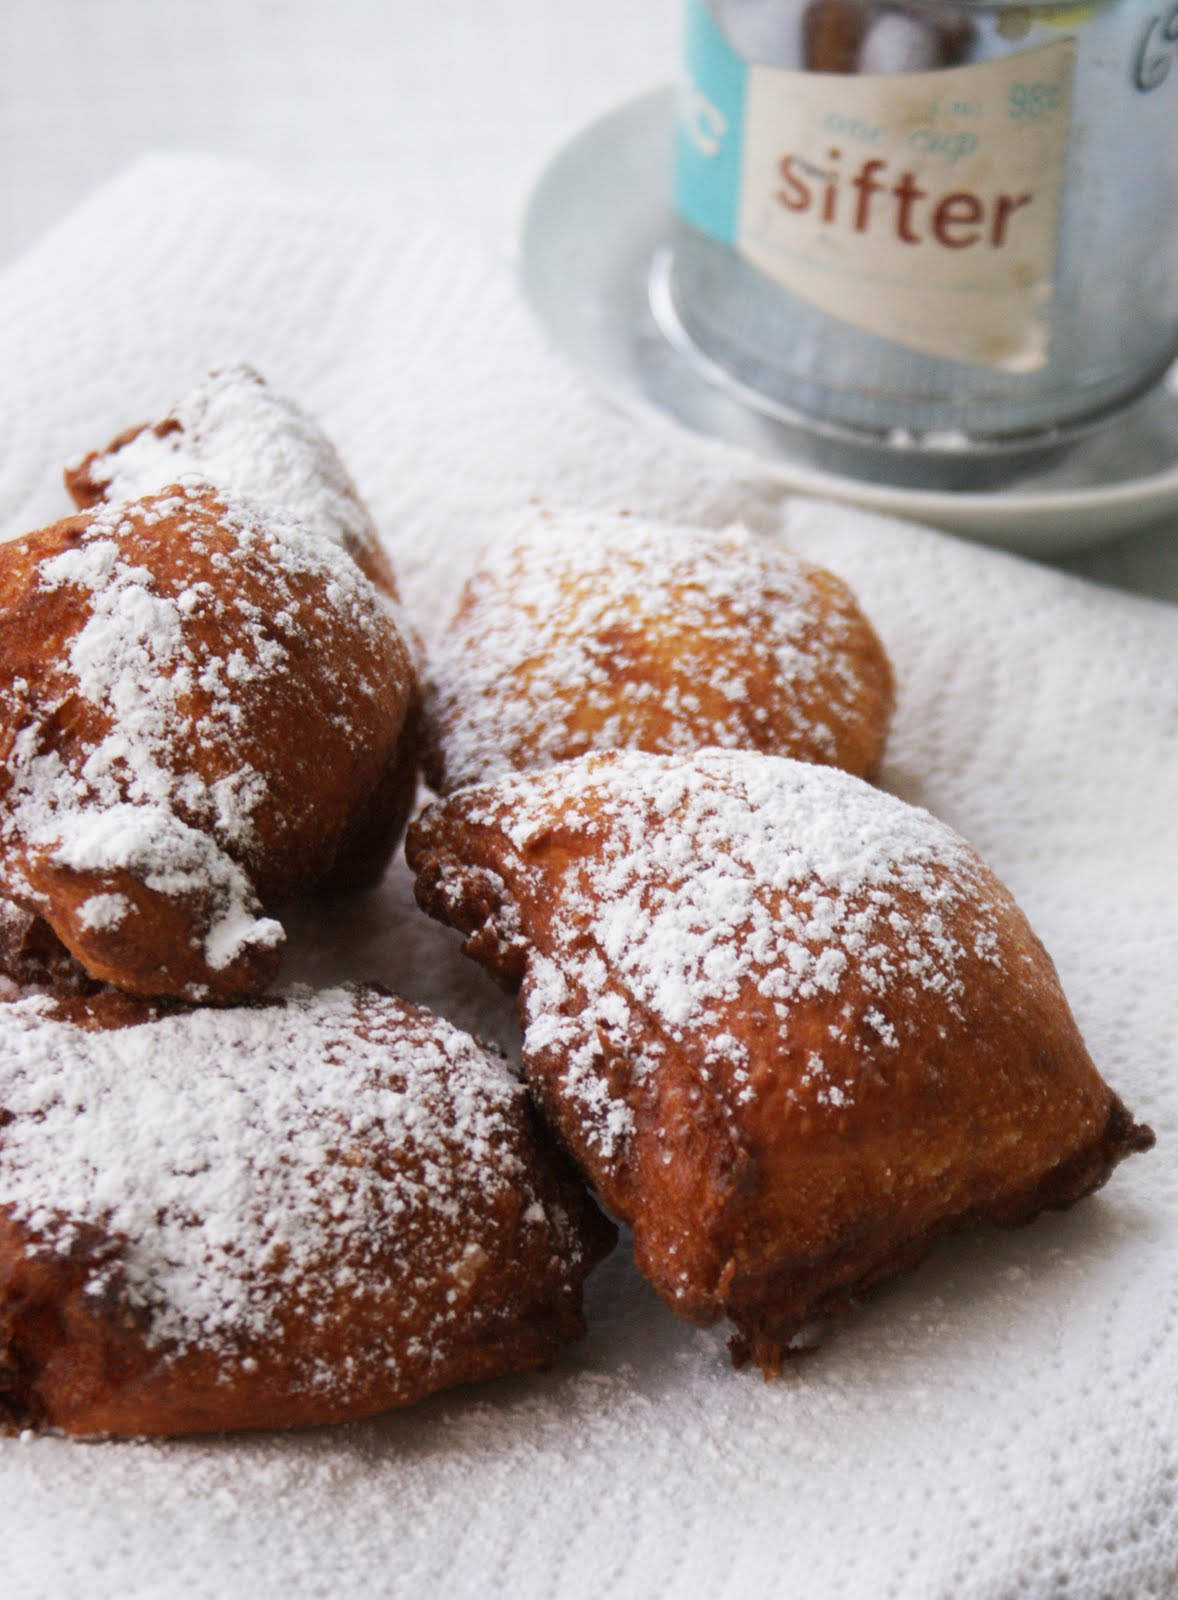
(923, 207)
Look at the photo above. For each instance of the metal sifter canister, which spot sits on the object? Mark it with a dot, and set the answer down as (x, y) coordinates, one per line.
(928, 223)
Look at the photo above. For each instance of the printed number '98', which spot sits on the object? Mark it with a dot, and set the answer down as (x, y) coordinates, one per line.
(1031, 100)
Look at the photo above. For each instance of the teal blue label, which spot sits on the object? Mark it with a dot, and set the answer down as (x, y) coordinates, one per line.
(709, 128)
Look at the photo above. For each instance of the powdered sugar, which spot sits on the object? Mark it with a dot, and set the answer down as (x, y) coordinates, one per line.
(585, 632)
(241, 1161)
(103, 910)
(701, 890)
(233, 432)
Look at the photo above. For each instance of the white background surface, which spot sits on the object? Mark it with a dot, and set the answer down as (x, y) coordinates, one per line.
(418, 105)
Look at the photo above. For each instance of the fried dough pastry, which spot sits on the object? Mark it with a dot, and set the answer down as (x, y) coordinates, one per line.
(233, 432)
(791, 1028)
(292, 1212)
(204, 711)
(600, 633)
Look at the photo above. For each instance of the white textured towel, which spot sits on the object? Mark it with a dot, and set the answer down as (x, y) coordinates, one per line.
(1002, 1422)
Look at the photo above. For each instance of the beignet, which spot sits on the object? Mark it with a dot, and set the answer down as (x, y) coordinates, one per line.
(587, 633)
(203, 712)
(791, 1028)
(297, 1211)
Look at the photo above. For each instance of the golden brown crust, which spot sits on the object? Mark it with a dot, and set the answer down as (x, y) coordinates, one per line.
(364, 853)
(790, 1060)
(484, 1250)
(764, 1306)
(596, 633)
(68, 1368)
(259, 722)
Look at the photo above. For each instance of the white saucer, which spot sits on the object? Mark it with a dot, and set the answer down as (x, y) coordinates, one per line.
(596, 224)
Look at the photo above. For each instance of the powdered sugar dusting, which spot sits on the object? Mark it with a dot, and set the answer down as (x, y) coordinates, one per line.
(232, 431)
(701, 890)
(241, 1161)
(587, 632)
(103, 910)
